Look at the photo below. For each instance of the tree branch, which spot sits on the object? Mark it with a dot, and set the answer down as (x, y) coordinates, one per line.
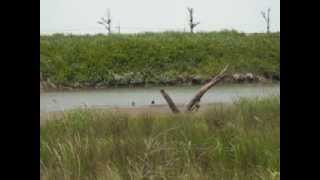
(171, 104)
(196, 99)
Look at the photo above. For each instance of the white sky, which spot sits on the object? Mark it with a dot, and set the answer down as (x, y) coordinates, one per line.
(81, 16)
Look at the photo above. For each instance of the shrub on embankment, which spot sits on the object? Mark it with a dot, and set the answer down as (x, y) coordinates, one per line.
(155, 58)
(241, 141)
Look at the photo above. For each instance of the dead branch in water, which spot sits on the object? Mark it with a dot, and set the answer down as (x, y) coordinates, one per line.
(193, 105)
(170, 102)
(196, 99)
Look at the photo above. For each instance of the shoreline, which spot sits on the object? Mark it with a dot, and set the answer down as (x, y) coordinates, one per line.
(47, 86)
(160, 109)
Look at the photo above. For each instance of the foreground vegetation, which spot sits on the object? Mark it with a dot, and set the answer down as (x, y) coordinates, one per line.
(155, 58)
(239, 141)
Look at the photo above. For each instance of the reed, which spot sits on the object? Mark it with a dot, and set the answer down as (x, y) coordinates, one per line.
(238, 141)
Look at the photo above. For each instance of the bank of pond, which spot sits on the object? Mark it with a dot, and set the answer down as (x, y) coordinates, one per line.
(172, 58)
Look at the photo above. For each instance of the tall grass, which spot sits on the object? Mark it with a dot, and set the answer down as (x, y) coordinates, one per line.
(239, 141)
(154, 58)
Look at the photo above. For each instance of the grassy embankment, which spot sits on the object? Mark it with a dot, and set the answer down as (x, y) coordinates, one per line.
(239, 141)
(155, 58)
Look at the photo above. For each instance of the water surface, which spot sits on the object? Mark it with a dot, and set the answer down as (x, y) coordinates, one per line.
(123, 97)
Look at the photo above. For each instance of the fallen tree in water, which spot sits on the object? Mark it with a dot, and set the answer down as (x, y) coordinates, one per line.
(193, 105)
(170, 102)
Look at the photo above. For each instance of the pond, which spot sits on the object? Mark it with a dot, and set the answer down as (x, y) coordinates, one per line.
(123, 97)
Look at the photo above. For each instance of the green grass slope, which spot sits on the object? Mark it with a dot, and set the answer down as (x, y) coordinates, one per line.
(155, 58)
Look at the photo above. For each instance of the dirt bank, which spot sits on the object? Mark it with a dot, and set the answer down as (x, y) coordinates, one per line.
(237, 78)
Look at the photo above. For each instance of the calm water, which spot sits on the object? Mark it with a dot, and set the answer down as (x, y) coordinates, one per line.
(122, 97)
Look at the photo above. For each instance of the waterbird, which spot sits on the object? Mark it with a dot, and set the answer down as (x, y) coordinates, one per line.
(133, 103)
(152, 102)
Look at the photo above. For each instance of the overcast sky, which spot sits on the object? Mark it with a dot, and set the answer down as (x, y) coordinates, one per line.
(81, 16)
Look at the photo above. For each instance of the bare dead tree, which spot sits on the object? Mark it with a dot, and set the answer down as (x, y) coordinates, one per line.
(266, 17)
(192, 24)
(106, 22)
(194, 103)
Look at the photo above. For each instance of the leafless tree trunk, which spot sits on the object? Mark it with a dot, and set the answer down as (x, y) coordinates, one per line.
(106, 22)
(192, 24)
(171, 104)
(266, 18)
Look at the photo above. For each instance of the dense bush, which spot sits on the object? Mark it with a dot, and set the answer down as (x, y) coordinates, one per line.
(154, 57)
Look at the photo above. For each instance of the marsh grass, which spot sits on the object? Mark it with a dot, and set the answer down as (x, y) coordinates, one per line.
(238, 141)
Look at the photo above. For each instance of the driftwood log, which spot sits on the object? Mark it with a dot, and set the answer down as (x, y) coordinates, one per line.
(170, 102)
(193, 105)
(196, 99)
